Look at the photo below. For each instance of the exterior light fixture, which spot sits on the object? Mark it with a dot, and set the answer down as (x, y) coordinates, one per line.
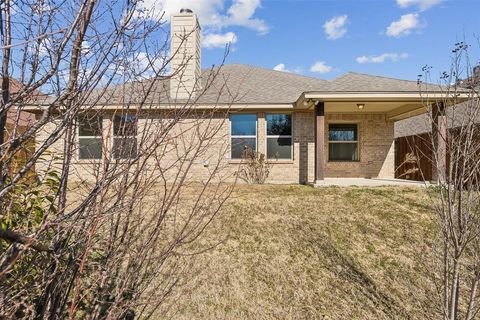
(360, 106)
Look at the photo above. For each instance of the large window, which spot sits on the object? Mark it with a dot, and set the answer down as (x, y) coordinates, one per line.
(124, 137)
(243, 134)
(279, 136)
(343, 142)
(90, 140)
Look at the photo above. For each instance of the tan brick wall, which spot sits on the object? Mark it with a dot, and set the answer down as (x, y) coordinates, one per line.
(375, 135)
(376, 152)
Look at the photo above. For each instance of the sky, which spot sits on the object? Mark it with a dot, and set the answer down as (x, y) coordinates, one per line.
(326, 39)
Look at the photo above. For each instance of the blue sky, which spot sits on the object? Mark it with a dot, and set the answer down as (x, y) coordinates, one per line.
(385, 37)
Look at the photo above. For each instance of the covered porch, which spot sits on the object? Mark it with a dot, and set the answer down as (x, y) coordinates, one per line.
(372, 162)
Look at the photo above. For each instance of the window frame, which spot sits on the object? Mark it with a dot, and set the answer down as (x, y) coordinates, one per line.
(112, 142)
(279, 136)
(357, 142)
(79, 137)
(239, 136)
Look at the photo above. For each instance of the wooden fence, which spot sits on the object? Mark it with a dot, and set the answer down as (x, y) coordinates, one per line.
(413, 156)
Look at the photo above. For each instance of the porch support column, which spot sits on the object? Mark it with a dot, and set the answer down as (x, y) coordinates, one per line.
(319, 142)
(439, 135)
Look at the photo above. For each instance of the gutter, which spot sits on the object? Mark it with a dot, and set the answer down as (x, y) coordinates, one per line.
(148, 107)
(383, 96)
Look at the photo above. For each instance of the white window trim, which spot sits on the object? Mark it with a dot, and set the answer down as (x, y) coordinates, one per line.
(238, 136)
(278, 136)
(88, 137)
(345, 142)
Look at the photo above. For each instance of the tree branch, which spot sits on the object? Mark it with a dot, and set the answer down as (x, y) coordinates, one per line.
(15, 237)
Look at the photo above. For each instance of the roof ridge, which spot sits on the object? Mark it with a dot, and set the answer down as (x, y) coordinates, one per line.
(272, 70)
(376, 76)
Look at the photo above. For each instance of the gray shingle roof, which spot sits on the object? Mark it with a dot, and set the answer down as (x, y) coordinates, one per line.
(233, 83)
(257, 85)
(456, 116)
(359, 82)
(244, 84)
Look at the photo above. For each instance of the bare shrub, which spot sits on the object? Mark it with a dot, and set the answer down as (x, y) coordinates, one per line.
(254, 168)
(455, 199)
(411, 162)
(108, 224)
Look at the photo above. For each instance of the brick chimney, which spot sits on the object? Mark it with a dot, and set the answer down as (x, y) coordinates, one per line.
(186, 50)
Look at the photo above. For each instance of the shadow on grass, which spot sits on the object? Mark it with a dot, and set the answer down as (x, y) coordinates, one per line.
(348, 272)
(391, 194)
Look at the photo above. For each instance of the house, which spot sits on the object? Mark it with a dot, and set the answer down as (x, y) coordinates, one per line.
(24, 118)
(308, 128)
(16, 123)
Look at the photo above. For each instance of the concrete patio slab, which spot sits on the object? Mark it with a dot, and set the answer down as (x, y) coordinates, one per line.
(364, 182)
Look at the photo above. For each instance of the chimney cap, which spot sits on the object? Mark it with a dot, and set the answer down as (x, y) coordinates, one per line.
(186, 10)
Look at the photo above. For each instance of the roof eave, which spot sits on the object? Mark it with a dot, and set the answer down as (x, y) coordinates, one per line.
(385, 96)
(176, 106)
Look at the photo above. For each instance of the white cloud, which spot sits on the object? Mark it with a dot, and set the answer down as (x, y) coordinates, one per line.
(211, 13)
(320, 67)
(403, 26)
(86, 49)
(381, 58)
(335, 27)
(214, 40)
(281, 67)
(421, 4)
(241, 13)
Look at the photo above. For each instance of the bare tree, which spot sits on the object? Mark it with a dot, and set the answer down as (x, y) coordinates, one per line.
(100, 226)
(454, 151)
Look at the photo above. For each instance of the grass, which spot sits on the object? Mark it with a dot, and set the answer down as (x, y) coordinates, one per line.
(296, 252)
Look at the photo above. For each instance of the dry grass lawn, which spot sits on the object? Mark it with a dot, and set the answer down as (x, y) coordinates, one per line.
(296, 252)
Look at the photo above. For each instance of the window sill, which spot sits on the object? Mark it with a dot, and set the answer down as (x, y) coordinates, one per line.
(97, 161)
(343, 161)
(235, 161)
(280, 161)
(89, 161)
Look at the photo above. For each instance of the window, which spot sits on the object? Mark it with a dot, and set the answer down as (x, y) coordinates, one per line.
(124, 137)
(243, 134)
(279, 136)
(90, 140)
(342, 142)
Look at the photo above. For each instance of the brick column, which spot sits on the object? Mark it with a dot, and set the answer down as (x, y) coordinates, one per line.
(261, 129)
(319, 141)
(439, 134)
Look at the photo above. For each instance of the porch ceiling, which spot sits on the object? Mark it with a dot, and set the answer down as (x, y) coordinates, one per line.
(396, 106)
(394, 110)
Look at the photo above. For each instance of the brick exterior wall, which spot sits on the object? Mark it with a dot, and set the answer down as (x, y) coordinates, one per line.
(376, 150)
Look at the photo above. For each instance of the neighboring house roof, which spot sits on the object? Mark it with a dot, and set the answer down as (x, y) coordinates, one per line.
(24, 118)
(245, 84)
(456, 116)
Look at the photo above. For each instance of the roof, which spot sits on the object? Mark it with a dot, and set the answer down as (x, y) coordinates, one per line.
(234, 83)
(456, 116)
(24, 118)
(360, 82)
(245, 84)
